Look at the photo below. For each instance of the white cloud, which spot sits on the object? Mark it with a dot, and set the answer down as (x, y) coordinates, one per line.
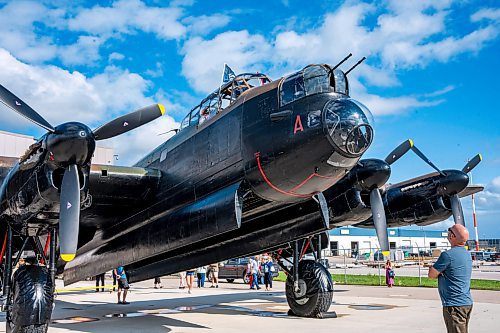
(115, 56)
(486, 14)
(84, 51)
(381, 106)
(17, 31)
(204, 59)
(60, 96)
(129, 16)
(406, 34)
(488, 201)
(440, 92)
(203, 25)
(132, 146)
(496, 182)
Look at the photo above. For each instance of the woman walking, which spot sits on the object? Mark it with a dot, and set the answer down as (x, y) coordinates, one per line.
(389, 274)
(190, 279)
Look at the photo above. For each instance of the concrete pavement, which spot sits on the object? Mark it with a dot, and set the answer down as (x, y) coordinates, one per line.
(233, 308)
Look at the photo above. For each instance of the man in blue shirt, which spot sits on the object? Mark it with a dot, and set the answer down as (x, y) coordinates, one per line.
(122, 284)
(453, 270)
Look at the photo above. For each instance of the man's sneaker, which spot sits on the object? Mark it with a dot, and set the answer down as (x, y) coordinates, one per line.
(125, 303)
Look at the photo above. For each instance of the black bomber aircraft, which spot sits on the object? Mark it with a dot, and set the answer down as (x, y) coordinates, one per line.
(258, 165)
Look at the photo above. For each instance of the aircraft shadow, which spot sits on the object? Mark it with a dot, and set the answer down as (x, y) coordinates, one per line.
(159, 315)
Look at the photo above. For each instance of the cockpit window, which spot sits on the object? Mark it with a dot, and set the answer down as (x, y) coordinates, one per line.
(223, 97)
(185, 122)
(292, 88)
(340, 82)
(316, 80)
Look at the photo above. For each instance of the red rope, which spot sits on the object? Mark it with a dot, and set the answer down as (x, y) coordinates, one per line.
(47, 242)
(4, 246)
(305, 248)
(257, 157)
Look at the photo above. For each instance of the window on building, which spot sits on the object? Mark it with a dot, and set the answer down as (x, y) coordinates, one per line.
(334, 247)
(432, 245)
(392, 245)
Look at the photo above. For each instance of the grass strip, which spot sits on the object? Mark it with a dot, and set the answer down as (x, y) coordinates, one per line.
(402, 281)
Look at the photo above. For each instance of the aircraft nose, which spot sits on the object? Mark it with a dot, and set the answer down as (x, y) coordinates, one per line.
(347, 125)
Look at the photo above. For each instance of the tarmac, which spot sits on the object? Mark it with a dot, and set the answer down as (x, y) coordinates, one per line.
(233, 307)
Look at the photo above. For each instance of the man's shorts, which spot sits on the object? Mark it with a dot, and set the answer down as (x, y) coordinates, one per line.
(189, 273)
(123, 283)
(457, 318)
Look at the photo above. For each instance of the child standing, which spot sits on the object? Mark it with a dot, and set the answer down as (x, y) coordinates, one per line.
(389, 274)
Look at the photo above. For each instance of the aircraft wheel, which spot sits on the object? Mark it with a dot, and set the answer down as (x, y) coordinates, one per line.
(32, 299)
(316, 290)
(230, 280)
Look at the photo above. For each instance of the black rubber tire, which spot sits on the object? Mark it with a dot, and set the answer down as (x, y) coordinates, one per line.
(27, 329)
(318, 294)
(230, 280)
(246, 279)
(30, 310)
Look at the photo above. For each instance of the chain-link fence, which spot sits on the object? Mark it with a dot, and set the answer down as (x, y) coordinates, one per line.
(348, 265)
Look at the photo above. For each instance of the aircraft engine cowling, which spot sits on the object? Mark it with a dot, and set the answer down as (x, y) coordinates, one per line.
(348, 208)
(426, 212)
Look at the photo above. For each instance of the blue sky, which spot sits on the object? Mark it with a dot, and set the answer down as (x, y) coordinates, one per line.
(431, 72)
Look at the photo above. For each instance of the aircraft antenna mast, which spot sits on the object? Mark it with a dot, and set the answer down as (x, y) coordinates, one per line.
(340, 63)
(356, 65)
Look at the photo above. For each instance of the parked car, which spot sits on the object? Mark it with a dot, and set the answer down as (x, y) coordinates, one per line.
(324, 262)
(237, 269)
(480, 255)
(495, 256)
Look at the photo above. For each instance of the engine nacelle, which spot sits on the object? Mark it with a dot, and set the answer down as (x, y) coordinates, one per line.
(348, 208)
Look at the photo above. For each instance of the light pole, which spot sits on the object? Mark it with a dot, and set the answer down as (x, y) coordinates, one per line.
(418, 256)
(345, 266)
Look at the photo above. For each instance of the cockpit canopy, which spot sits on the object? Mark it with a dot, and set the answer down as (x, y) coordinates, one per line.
(314, 79)
(221, 98)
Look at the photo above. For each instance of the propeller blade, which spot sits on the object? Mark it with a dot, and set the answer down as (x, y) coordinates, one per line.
(456, 208)
(16, 104)
(379, 220)
(425, 159)
(129, 121)
(69, 216)
(472, 163)
(399, 151)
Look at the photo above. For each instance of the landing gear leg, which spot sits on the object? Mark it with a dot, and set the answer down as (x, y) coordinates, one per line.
(31, 296)
(309, 289)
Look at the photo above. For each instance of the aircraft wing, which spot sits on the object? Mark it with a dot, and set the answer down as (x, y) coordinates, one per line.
(116, 191)
(469, 190)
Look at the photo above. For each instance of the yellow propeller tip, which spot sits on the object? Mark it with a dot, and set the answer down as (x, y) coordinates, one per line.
(411, 142)
(67, 257)
(386, 253)
(162, 109)
(480, 157)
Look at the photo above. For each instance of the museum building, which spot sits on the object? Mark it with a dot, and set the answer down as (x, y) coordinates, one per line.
(353, 241)
(13, 145)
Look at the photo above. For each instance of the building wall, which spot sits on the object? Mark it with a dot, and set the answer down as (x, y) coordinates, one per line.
(361, 240)
(14, 145)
